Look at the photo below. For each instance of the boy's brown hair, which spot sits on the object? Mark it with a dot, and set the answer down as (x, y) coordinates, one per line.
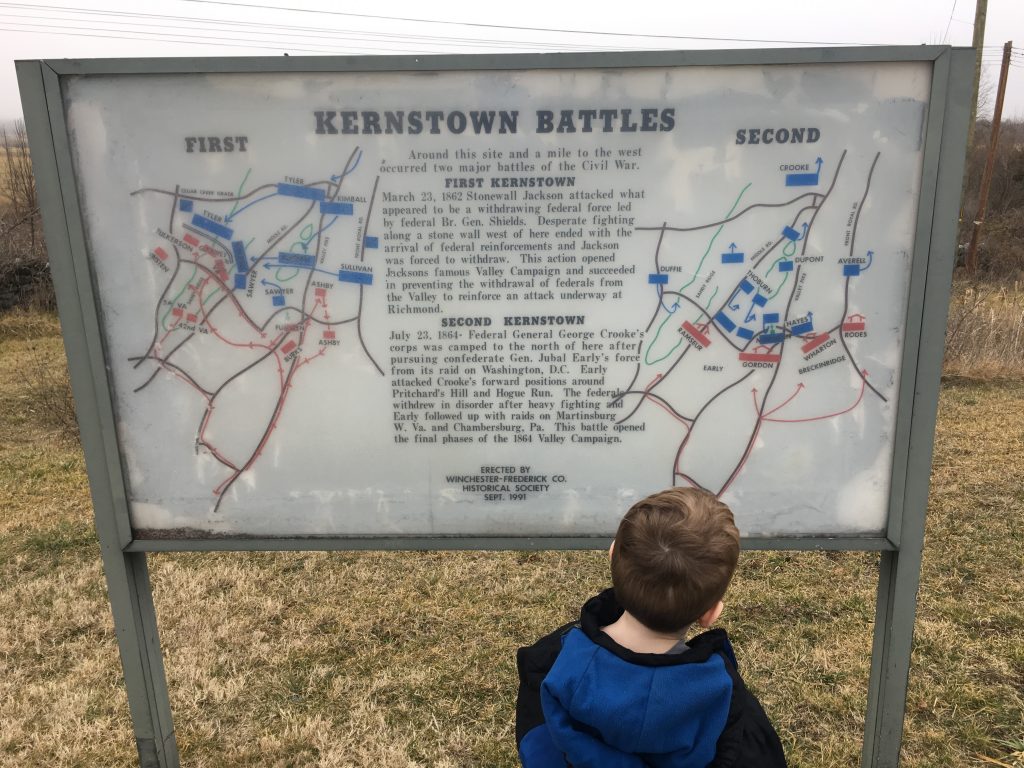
(674, 555)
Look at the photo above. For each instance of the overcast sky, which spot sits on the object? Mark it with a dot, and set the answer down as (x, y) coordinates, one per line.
(116, 28)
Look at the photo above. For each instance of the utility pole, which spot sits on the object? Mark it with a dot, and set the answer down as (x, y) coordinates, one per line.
(990, 162)
(980, 11)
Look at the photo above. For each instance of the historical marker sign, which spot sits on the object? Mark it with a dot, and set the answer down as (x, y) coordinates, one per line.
(490, 301)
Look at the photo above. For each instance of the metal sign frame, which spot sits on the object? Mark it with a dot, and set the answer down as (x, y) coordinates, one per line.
(124, 556)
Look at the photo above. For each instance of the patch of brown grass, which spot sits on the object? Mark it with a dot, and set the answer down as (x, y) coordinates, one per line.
(985, 330)
(407, 659)
(35, 390)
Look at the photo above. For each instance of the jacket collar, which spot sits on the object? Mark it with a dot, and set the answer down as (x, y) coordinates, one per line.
(602, 610)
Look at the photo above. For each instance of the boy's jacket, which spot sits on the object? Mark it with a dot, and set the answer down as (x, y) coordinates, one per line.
(587, 702)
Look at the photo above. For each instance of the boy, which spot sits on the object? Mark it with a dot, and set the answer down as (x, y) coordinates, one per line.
(621, 687)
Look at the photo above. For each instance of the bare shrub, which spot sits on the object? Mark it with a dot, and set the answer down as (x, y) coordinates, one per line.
(50, 392)
(24, 277)
(985, 332)
(40, 385)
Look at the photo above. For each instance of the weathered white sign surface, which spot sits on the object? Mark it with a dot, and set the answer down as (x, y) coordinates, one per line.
(502, 303)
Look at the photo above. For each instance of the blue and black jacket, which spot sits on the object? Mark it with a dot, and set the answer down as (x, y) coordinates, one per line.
(587, 702)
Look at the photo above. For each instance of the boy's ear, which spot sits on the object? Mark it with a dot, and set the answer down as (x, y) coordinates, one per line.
(611, 549)
(711, 615)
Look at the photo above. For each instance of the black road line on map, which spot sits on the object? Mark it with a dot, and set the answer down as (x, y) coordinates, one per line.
(657, 380)
(307, 316)
(163, 295)
(162, 361)
(682, 445)
(765, 255)
(828, 192)
(846, 292)
(656, 383)
(149, 356)
(227, 294)
(659, 398)
(251, 365)
(206, 236)
(736, 287)
(690, 480)
(657, 263)
(362, 256)
(197, 198)
(731, 218)
(302, 334)
(252, 266)
(216, 392)
(159, 302)
(283, 235)
(711, 317)
(849, 355)
(657, 309)
(767, 391)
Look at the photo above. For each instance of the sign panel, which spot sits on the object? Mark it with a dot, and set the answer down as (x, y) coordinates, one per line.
(502, 303)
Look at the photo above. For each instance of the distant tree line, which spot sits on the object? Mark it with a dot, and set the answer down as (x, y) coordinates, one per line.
(1001, 253)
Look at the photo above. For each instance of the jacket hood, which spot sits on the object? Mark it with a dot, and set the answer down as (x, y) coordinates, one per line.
(607, 706)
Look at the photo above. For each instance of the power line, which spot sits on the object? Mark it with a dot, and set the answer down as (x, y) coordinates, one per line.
(278, 27)
(47, 31)
(945, 37)
(251, 6)
(406, 40)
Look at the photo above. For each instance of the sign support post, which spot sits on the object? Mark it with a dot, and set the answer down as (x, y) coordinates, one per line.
(131, 599)
(127, 573)
(900, 570)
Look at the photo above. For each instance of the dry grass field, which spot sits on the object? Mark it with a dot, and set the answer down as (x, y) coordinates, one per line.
(370, 659)
(985, 333)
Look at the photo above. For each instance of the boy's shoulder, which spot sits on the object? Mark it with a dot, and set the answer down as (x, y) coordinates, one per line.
(534, 662)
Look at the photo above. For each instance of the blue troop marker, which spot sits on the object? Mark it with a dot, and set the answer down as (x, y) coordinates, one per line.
(241, 261)
(655, 279)
(351, 276)
(296, 259)
(725, 322)
(803, 328)
(297, 190)
(211, 226)
(338, 209)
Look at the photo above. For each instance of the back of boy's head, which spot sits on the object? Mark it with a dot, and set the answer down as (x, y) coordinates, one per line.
(674, 555)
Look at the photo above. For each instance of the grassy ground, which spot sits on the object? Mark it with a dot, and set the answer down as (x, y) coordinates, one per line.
(369, 659)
